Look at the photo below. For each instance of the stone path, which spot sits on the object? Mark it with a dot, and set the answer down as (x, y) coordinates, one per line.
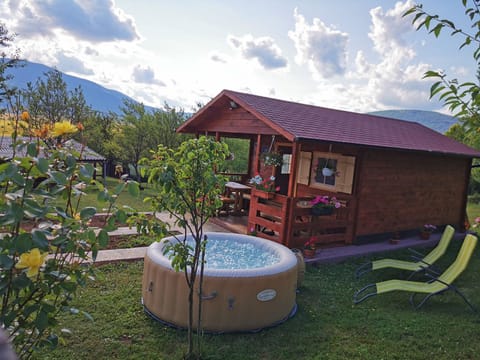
(138, 253)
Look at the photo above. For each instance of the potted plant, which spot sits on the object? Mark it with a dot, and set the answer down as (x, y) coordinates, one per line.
(324, 205)
(272, 158)
(265, 187)
(309, 247)
(426, 231)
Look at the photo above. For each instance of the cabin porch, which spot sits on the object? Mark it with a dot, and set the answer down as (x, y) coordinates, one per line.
(289, 221)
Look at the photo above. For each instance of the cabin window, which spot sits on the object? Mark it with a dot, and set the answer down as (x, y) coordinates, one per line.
(333, 172)
(325, 171)
(286, 163)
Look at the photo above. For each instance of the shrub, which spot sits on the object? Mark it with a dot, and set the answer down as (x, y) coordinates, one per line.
(45, 249)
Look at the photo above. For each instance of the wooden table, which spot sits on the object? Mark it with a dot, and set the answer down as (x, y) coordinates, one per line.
(237, 190)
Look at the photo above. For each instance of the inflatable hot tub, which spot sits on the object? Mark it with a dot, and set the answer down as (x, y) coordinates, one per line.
(240, 295)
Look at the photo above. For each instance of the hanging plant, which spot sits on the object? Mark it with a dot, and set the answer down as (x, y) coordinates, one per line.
(272, 158)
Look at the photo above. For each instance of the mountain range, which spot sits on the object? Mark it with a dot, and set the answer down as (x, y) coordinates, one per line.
(105, 100)
(433, 120)
(98, 97)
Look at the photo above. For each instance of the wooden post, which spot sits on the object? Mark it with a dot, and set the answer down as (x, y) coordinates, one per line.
(468, 172)
(292, 181)
(251, 155)
(257, 153)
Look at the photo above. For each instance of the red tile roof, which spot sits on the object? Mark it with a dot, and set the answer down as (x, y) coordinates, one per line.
(317, 123)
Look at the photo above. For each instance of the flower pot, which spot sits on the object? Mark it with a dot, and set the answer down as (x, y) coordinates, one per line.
(263, 194)
(321, 211)
(327, 171)
(308, 253)
(425, 235)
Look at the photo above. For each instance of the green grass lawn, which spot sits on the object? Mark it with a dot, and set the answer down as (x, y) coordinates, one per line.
(124, 199)
(327, 325)
(473, 211)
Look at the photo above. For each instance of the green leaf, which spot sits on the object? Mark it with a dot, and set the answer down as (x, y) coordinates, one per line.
(17, 212)
(86, 172)
(110, 225)
(21, 282)
(133, 188)
(437, 29)
(119, 188)
(431, 74)
(71, 161)
(42, 165)
(103, 196)
(59, 177)
(121, 216)
(32, 149)
(23, 243)
(60, 240)
(91, 236)
(11, 169)
(18, 179)
(103, 238)
(87, 212)
(100, 186)
(33, 209)
(41, 321)
(6, 262)
(40, 239)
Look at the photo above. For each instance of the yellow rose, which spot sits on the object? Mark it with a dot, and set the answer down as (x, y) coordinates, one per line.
(25, 116)
(62, 128)
(31, 261)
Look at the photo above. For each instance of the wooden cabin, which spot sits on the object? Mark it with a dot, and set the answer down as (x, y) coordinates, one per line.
(391, 176)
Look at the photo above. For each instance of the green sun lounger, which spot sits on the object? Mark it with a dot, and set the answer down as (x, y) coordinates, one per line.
(436, 285)
(420, 264)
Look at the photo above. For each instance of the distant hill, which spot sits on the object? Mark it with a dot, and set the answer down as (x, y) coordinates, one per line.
(433, 120)
(96, 96)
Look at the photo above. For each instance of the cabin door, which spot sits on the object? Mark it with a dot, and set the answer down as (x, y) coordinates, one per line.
(282, 173)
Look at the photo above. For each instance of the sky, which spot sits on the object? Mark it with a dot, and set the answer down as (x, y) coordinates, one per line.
(350, 55)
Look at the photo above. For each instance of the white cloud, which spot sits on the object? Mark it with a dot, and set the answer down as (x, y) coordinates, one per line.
(95, 21)
(217, 57)
(72, 64)
(146, 75)
(262, 49)
(388, 28)
(86, 42)
(323, 48)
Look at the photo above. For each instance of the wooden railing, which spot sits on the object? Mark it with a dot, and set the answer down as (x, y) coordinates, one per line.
(237, 177)
(268, 215)
(289, 220)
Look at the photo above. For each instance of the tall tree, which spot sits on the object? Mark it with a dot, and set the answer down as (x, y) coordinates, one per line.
(189, 190)
(100, 134)
(461, 98)
(142, 131)
(169, 120)
(7, 60)
(49, 101)
(137, 134)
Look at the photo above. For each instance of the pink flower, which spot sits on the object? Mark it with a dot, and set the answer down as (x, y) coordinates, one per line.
(324, 200)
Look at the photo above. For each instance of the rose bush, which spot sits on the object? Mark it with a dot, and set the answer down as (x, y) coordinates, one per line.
(42, 266)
